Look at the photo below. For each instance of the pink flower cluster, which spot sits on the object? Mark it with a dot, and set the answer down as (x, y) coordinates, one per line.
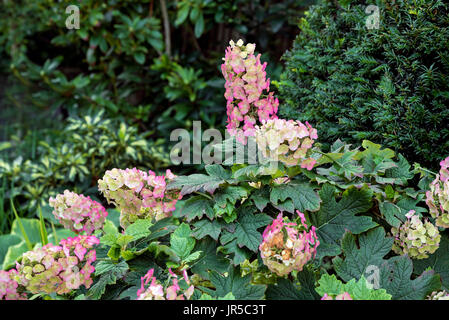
(288, 141)
(437, 199)
(78, 212)
(139, 195)
(341, 296)
(58, 269)
(287, 246)
(155, 291)
(245, 84)
(9, 287)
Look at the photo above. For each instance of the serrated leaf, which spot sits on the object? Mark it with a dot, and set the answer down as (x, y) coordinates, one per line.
(246, 233)
(139, 229)
(196, 207)
(335, 218)
(209, 259)
(373, 246)
(438, 262)
(303, 196)
(181, 241)
(287, 290)
(195, 182)
(392, 213)
(241, 287)
(207, 228)
(395, 278)
(358, 290)
(109, 272)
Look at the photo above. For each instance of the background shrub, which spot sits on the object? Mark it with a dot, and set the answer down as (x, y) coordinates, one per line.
(388, 85)
(75, 103)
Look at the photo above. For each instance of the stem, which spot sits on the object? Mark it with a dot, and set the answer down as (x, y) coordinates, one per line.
(166, 28)
(204, 195)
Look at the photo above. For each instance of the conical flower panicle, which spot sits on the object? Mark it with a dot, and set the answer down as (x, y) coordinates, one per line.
(138, 194)
(287, 246)
(78, 212)
(287, 141)
(416, 238)
(438, 295)
(437, 198)
(58, 269)
(248, 96)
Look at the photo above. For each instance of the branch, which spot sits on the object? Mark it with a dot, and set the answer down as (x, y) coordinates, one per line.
(166, 28)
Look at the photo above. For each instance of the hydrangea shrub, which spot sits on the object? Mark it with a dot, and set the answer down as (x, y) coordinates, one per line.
(316, 226)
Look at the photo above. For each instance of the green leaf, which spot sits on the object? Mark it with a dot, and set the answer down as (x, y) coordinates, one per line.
(358, 290)
(241, 287)
(31, 227)
(139, 229)
(392, 213)
(239, 254)
(373, 246)
(6, 241)
(199, 26)
(196, 207)
(207, 228)
(209, 259)
(438, 262)
(109, 272)
(182, 13)
(395, 278)
(195, 182)
(12, 247)
(246, 232)
(287, 290)
(392, 275)
(139, 57)
(229, 194)
(181, 241)
(303, 196)
(334, 218)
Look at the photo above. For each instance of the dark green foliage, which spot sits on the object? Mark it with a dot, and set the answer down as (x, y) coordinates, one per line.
(388, 85)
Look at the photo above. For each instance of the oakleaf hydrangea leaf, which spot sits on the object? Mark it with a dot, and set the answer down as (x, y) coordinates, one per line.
(241, 287)
(246, 232)
(303, 196)
(358, 290)
(334, 218)
(373, 246)
(287, 290)
(438, 262)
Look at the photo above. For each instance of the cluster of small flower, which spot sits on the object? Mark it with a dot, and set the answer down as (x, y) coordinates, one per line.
(438, 295)
(138, 194)
(245, 82)
(287, 246)
(9, 287)
(78, 212)
(155, 291)
(58, 269)
(288, 141)
(416, 238)
(437, 199)
(341, 296)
